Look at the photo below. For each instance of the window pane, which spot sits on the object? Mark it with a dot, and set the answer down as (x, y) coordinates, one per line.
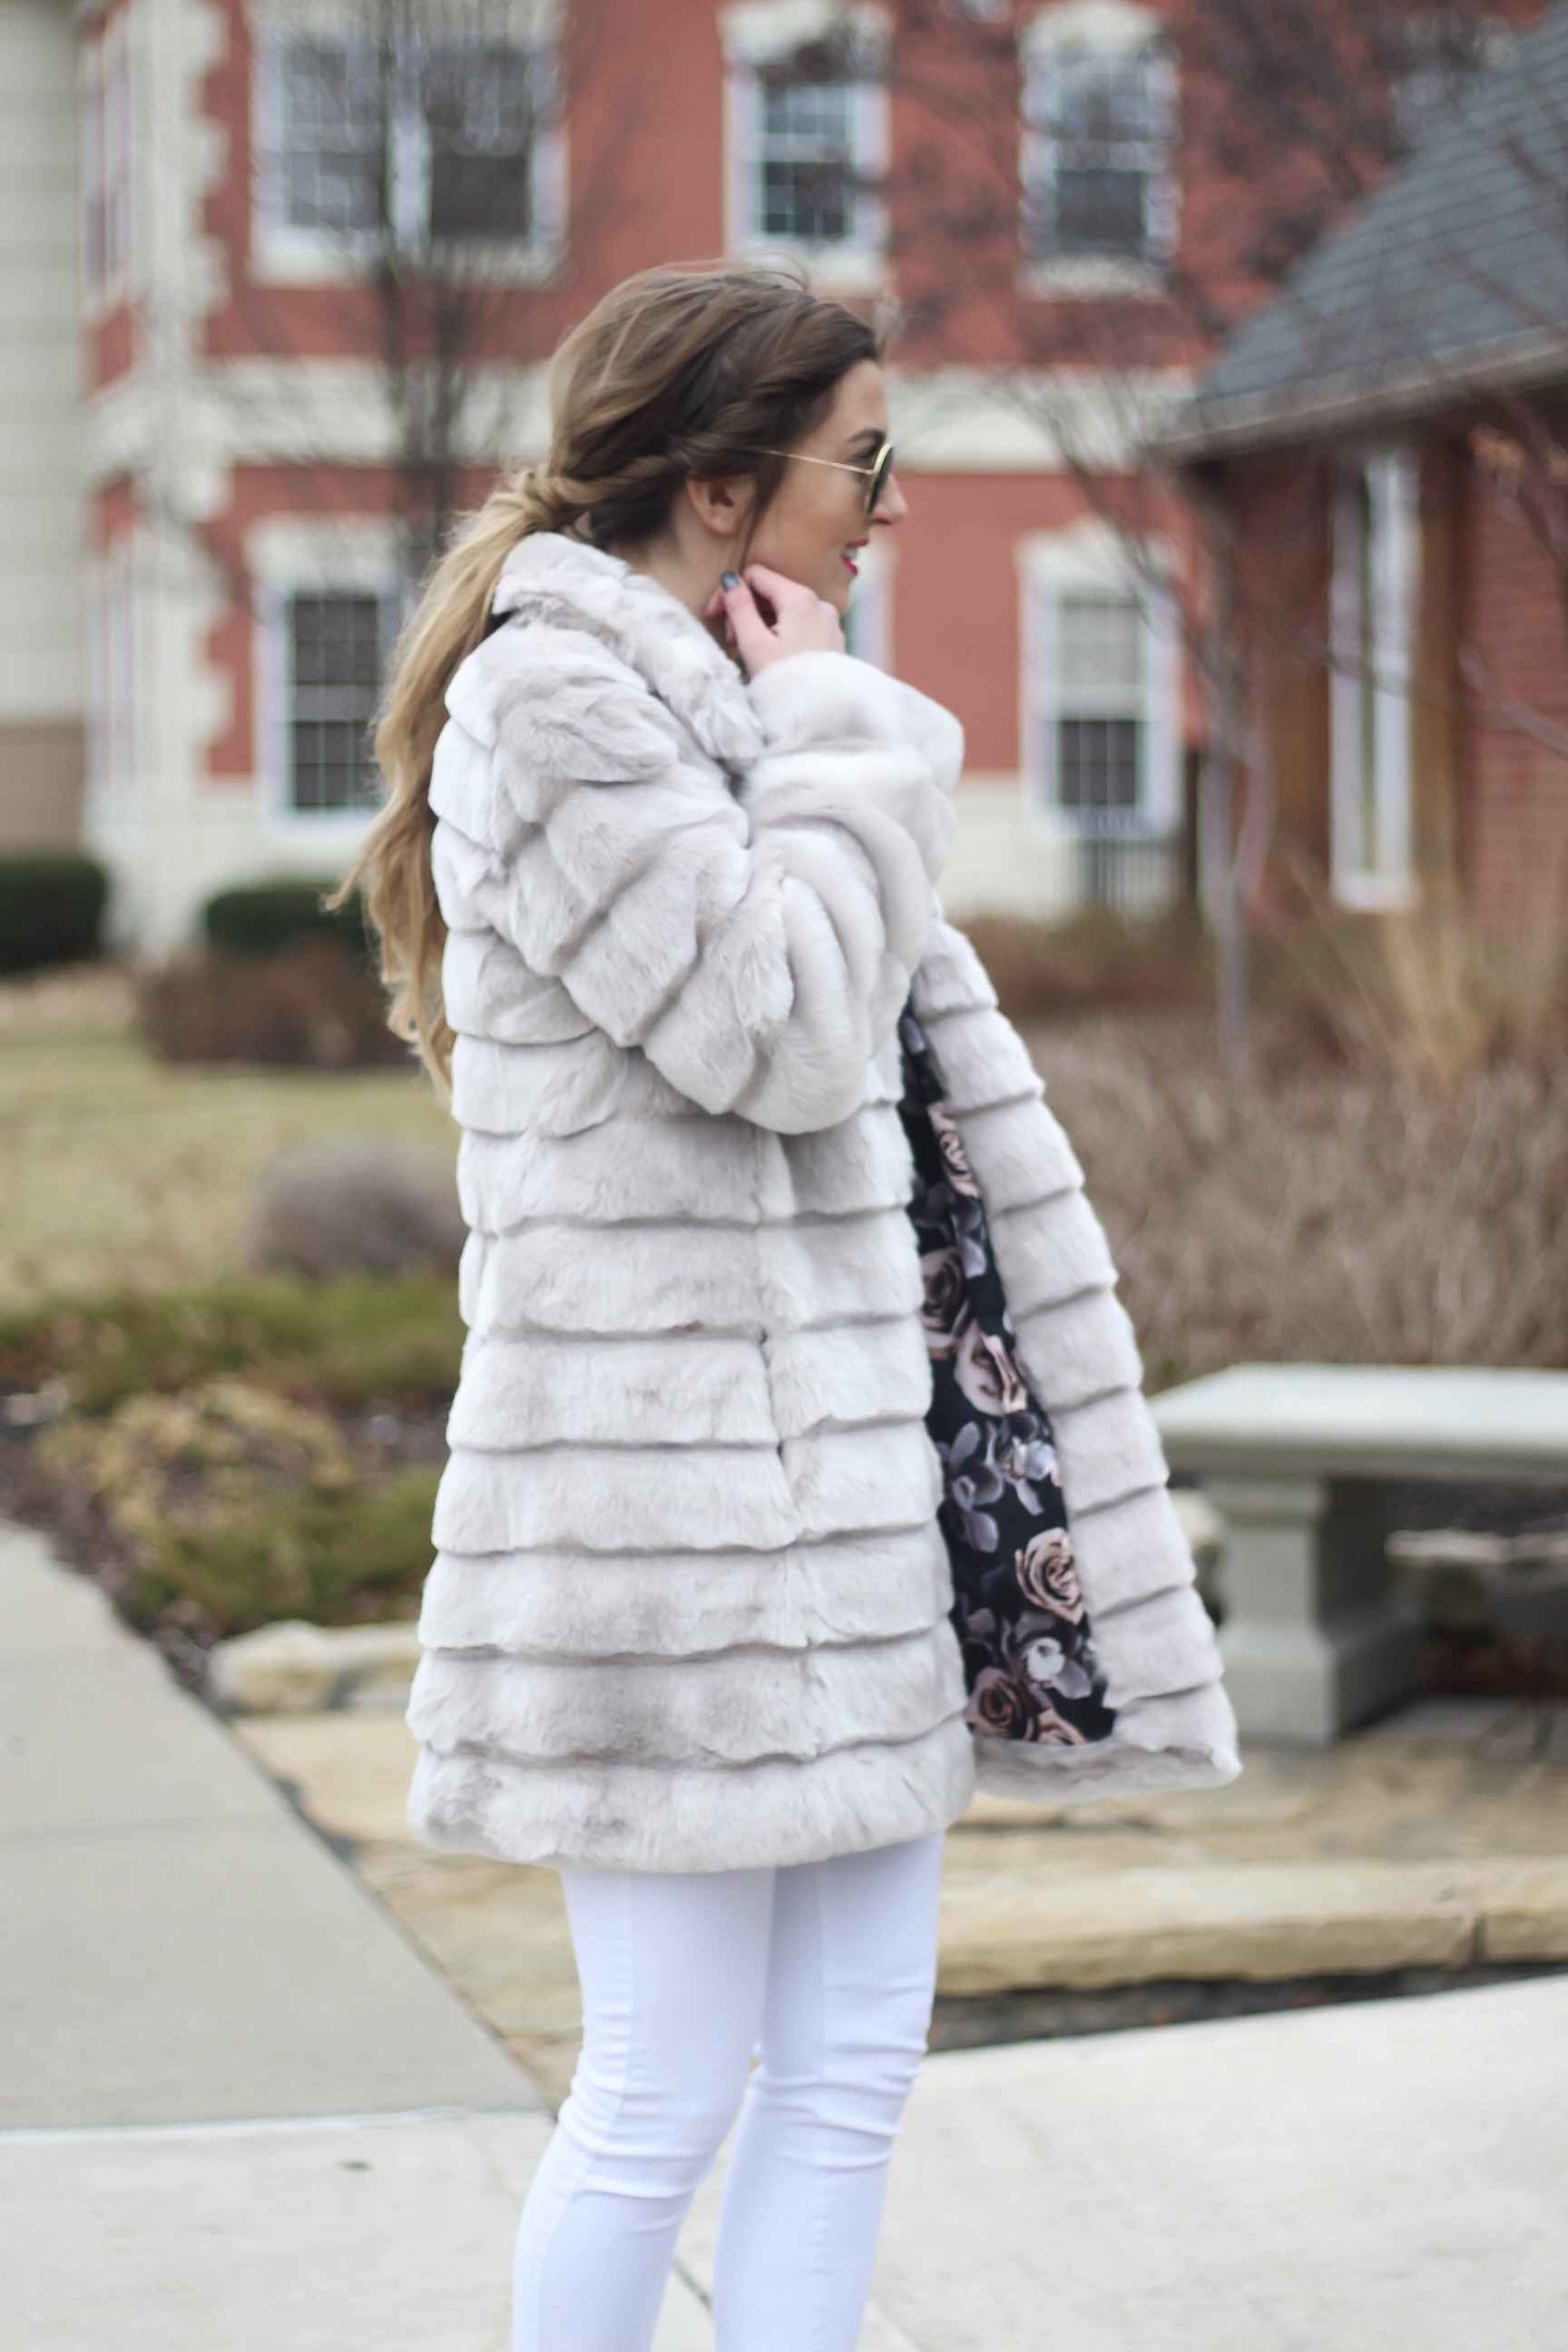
(332, 138)
(1101, 653)
(1100, 152)
(334, 648)
(1098, 762)
(479, 106)
(807, 179)
(1099, 211)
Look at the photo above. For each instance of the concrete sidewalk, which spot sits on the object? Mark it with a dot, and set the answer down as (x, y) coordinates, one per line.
(238, 2110)
(243, 2114)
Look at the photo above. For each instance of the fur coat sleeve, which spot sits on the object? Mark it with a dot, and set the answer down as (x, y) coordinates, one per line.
(756, 937)
(1152, 1637)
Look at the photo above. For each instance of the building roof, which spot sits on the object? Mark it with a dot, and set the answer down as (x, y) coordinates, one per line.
(1451, 279)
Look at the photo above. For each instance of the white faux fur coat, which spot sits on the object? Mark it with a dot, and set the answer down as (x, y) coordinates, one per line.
(688, 1609)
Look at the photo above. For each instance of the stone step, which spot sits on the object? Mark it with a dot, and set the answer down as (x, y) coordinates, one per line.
(1006, 1931)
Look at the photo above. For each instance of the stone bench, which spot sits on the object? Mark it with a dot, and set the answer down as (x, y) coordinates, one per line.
(1304, 1462)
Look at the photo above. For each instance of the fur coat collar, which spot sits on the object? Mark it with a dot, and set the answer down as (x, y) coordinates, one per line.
(554, 578)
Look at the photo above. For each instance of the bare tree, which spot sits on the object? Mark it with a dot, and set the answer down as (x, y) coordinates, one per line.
(1288, 111)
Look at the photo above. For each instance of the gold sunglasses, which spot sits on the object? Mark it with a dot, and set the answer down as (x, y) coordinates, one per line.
(876, 473)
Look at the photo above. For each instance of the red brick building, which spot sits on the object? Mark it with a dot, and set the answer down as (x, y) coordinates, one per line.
(1389, 444)
(262, 425)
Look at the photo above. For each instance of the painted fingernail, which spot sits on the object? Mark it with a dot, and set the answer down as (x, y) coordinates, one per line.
(728, 580)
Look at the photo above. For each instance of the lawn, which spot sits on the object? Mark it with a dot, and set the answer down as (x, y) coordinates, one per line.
(117, 1172)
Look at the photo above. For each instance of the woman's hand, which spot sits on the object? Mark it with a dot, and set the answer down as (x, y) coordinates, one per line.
(771, 617)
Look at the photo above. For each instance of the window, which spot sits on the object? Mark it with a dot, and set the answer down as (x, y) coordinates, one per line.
(1099, 135)
(807, 132)
(334, 646)
(332, 140)
(1101, 720)
(1376, 551)
(429, 142)
(1099, 751)
(806, 191)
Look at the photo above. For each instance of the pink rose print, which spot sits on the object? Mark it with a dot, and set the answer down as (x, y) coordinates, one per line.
(986, 1373)
(1047, 1574)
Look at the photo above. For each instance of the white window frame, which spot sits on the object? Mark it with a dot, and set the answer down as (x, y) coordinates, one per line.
(1107, 29)
(292, 556)
(105, 111)
(283, 254)
(1375, 548)
(1090, 558)
(760, 33)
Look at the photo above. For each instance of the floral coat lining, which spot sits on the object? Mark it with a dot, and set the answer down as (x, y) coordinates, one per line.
(1018, 1608)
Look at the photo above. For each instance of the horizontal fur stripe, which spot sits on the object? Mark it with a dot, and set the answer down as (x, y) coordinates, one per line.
(1019, 1155)
(656, 1499)
(634, 1278)
(684, 1603)
(1107, 1450)
(642, 1817)
(686, 1170)
(952, 978)
(689, 1168)
(982, 1061)
(681, 1387)
(1131, 1549)
(864, 1164)
(489, 991)
(843, 1481)
(622, 1500)
(500, 1090)
(841, 1379)
(735, 1709)
(1088, 1341)
(1164, 1644)
(1051, 1253)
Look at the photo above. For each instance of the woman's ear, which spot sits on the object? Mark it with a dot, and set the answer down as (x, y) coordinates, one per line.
(722, 506)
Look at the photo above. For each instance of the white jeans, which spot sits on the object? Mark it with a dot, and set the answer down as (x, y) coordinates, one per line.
(827, 1969)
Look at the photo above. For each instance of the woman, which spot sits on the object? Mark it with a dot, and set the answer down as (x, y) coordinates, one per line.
(656, 886)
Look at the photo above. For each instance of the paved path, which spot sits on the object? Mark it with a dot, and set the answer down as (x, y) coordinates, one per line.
(238, 2110)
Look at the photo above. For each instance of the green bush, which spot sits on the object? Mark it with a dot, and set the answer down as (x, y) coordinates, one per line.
(333, 1560)
(51, 910)
(237, 1507)
(350, 1342)
(264, 916)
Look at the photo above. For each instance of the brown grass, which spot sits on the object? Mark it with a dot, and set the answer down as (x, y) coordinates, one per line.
(1318, 1209)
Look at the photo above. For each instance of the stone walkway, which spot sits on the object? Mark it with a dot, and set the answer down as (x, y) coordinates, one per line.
(1438, 1841)
(240, 2110)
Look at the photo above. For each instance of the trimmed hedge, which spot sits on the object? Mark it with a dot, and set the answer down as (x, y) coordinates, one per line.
(51, 910)
(262, 918)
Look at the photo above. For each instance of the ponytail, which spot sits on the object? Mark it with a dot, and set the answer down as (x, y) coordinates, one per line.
(677, 372)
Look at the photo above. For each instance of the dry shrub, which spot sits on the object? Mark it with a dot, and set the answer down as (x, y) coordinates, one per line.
(357, 1208)
(1097, 958)
(314, 1004)
(1316, 1210)
(1430, 993)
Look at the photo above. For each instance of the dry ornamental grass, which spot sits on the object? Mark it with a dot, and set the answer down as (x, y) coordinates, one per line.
(1316, 1210)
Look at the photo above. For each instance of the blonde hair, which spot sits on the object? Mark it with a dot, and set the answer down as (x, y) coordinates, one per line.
(677, 372)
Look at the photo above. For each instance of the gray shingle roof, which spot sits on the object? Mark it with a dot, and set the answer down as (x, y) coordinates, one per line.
(1451, 277)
